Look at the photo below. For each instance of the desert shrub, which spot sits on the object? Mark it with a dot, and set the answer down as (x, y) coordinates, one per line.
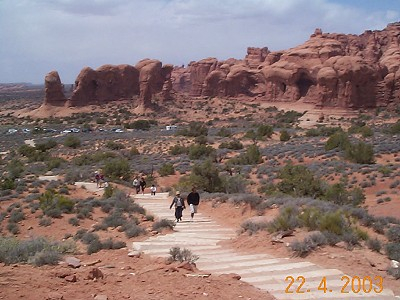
(72, 142)
(133, 152)
(286, 220)
(374, 244)
(114, 145)
(378, 227)
(16, 216)
(252, 156)
(234, 184)
(338, 194)
(395, 128)
(13, 228)
(204, 176)
(250, 199)
(46, 145)
(284, 136)
(331, 238)
(197, 151)
(117, 168)
(15, 168)
(166, 169)
(333, 222)
(299, 181)
(337, 140)
(310, 218)
(162, 224)
(32, 251)
(360, 153)
(302, 249)
(181, 255)
(395, 272)
(252, 227)
(132, 229)
(393, 234)
(94, 246)
(54, 204)
(288, 117)
(45, 221)
(233, 145)
(193, 129)
(141, 124)
(178, 150)
(393, 251)
(115, 219)
(224, 132)
(73, 221)
(7, 184)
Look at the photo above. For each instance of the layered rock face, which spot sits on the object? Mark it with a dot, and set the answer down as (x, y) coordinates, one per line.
(110, 83)
(328, 70)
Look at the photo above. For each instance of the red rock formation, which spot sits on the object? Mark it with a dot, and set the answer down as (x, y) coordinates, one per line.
(348, 71)
(54, 90)
(153, 78)
(105, 84)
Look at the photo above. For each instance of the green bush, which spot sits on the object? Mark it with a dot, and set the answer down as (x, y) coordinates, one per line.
(374, 245)
(166, 169)
(333, 222)
(198, 151)
(233, 145)
(393, 234)
(393, 251)
(141, 124)
(194, 129)
(72, 142)
(337, 140)
(15, 169)
(204, 176)
(7, 184)
(178, 150)
(54, 204)
(395, 128)
(252, 156)
(360, 153)
(284, 136)
(299, 181)
(117, 168)
(114, 145)
(286, 220)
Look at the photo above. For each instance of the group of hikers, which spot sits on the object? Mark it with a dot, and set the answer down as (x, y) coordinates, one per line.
(193, 200)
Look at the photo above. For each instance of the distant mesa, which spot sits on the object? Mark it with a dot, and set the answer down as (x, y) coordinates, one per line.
(328, 70)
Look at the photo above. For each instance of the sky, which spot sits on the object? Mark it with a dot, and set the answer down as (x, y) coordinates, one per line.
(38, 36)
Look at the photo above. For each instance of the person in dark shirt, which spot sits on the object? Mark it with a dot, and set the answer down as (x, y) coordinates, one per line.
(193, 200)
(142, 184)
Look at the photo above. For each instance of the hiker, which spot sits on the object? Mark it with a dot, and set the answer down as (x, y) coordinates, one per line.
(97, 178)
(142, 184)
(179, 206)
(136, 185)
(193, 200)
(101, 181)
(153, 190)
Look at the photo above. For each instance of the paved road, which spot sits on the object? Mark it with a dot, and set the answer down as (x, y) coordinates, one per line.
(263, 271)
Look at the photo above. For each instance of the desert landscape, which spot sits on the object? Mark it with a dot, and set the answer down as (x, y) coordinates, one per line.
(297, 151)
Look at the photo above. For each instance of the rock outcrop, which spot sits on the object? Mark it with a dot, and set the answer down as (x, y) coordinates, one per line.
(54, 94)
(328, 70)
(109, 83)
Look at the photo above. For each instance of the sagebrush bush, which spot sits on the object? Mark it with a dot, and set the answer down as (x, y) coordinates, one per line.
(393, 234)
(374, 244)
(181, 255)
(45, 221)
(33, 251)
(252, 227)
(393, 251)
(166, 169)
(162, 224)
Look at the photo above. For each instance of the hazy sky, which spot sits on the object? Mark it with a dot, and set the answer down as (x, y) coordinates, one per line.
(38, 36)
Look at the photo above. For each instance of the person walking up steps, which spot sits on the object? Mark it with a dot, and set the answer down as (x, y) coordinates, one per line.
(193, 200)
(179, 206)
(136, 185)
(142, 184)
(153, 190)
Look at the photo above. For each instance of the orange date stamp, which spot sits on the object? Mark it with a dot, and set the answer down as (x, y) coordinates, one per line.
(348, 284)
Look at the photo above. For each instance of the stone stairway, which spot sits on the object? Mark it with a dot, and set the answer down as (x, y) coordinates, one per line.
(202, 237)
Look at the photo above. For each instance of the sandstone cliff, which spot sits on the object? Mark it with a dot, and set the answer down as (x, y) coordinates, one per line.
(328, 70)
